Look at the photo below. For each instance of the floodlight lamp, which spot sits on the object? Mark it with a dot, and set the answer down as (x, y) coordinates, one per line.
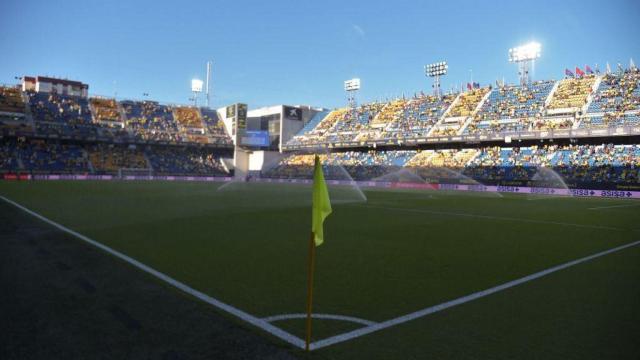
(436, 69)
(352, 85)
(530, 51)
(196, 85)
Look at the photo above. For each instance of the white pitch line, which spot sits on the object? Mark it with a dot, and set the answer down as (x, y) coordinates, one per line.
(257, 322)
(613, 206)
(489, 217)
(319, 316)
(477, 295)
(545, 197)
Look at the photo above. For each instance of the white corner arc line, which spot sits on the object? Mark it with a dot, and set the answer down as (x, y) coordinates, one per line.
(433, 309)
(319, 316)
(257, 322)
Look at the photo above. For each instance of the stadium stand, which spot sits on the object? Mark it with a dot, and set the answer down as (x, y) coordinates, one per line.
(617, 93)
(150, 122)
(317, 134)
(12, 106)
(467, 102)
(54, 133)
(606, 163)
(188, 117)
(105, 110)
(389, 112)
(377, 125)
(62, 109)
(420, 114)
(9, 160)
(61, 116)
(398, 119)
(294, 166)
(315, 120)
(127, 121)
(572, 93)
(149, 116)
(109, 158)
(184, 161)
(40, 156)
(216, 130)
(511, 108)
(13, 117)
(463, 107)
(616, 102)
(371, 164)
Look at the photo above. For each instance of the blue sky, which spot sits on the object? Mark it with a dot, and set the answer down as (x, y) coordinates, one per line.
(300, 52)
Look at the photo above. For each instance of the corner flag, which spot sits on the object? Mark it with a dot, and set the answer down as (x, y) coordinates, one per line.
(321, 207)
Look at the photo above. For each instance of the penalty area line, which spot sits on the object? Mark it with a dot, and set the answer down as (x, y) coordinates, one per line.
(257, 322)
(459, 301)
(496, 218)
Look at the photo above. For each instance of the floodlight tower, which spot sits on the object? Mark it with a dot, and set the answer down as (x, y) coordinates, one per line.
(525, 56)
(351, 87)
(196, 87)
(434, 71)
(208, 86)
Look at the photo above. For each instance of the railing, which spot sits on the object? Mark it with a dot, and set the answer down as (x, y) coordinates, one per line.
(524, 135)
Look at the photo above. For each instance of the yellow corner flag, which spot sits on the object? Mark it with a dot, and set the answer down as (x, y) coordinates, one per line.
(321, 207)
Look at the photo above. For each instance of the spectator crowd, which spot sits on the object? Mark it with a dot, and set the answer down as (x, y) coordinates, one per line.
(607, 163)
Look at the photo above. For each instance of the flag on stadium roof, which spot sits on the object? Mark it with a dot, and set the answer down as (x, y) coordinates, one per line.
(588, 69)
(579, 72)
(568, 73)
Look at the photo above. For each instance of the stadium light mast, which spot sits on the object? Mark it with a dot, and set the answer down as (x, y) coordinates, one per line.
(351, 87)
(196, 87)
(208, 86)
(435, 71)
(525, 56)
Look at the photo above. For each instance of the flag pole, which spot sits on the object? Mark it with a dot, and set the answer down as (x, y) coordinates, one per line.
(312, 256)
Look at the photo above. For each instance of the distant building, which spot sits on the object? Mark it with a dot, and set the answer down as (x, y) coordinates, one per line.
(53, 85)
(266, 128)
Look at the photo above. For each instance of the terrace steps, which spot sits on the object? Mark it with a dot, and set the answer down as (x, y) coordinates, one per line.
(594, 89)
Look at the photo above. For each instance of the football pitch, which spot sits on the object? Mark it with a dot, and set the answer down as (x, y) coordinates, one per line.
(404, 274)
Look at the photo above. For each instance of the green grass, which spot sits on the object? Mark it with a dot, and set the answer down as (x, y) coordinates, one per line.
(399, 252)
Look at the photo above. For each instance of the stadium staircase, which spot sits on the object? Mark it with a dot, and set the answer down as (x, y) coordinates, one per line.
(475, 112)
(578, 122)
(476, 155)
(224, 166)
(28, 115)
(227, 163)
(315, 120)
(444, 115)
(149, 163)
(452, 106)
(85, 154)
(202, 123)
(594, 89)
(550, 96)
(123, 114)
